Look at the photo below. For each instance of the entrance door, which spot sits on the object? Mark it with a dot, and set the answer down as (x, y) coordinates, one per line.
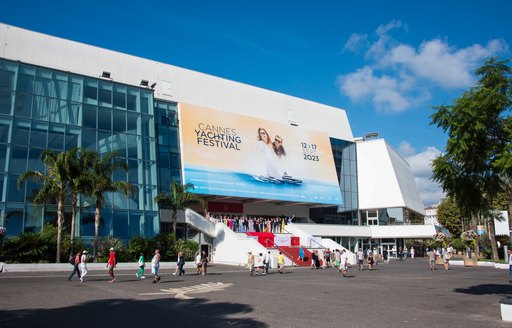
(207, 248)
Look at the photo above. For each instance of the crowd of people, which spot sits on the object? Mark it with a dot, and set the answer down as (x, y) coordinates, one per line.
(79, 262)
(254, 224)
(259, 264)
(444, 253)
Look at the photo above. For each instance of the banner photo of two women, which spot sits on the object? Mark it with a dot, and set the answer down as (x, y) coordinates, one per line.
(241, 156)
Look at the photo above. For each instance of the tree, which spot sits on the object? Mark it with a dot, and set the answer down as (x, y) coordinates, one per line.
(478, 139)
(55, 184)
(178, 198)
(99, 182)
(449, 216)
(78, 162)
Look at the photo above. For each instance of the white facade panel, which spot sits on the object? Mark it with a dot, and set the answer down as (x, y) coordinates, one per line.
(172, 83)
(378, 186)
(374, 232)
(406, 182)
(385, 179)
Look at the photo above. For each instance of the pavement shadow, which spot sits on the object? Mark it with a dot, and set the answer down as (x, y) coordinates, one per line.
(486, 289)
(167, 312)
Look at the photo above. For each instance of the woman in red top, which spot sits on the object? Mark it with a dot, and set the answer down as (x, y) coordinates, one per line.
(111, 264)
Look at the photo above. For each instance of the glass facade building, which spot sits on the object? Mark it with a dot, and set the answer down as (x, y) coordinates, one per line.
(43, 108)
(345, 160)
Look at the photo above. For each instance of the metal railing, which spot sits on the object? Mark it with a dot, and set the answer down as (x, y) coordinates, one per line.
(288, 255)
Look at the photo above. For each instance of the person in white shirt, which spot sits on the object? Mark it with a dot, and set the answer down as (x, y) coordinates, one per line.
(83, 266)
(259, 264)
(198, 263)
(267, 261)
(447, 256)
(360, 258)
(343, 263)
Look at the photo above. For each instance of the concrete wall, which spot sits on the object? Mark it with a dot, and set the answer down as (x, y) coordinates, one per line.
(232, 248)
(388, 231)
(172, 83)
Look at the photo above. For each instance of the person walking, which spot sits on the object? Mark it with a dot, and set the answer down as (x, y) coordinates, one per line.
(267, 261)
(412, 252)
(180, 264)
(360, 259)
(75, 261)
(197, 263)
(204, 263)
(111, 264)
(250, 263)
(280, 262)
(301, 254)
(432, 259)
(155, 265)
(83, 265)
(142, 265)
(313, 260)
(337, 259)
(327, 258)
(344, 263)
(371, 260)
(259, 265)
(447, 256)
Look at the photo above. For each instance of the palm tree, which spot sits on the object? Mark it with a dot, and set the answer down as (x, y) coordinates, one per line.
(78, 163)
(178, 198)
(100, 181)
(55, 183)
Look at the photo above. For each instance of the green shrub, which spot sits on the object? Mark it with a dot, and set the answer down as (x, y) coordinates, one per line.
(187, 247)
(26, 248)
(458, 244)
(137, 245)
(165, 242)
(107, 242)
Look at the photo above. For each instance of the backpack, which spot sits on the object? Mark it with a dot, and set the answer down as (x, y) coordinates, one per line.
(72, 260)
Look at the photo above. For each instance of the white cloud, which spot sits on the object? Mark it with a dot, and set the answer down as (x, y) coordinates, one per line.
(386, 92)
(406, 149)
(356, 42)
(394, 24)
(421, 167)
(437, 62)
(399, 76)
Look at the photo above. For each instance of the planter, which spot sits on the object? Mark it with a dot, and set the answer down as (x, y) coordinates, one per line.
(473, 262)
(506, 309)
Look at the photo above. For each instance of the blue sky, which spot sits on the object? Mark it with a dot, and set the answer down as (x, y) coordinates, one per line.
(387, 63)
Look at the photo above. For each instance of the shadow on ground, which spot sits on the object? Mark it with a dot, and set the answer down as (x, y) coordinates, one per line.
(486, 289)
(166, 312)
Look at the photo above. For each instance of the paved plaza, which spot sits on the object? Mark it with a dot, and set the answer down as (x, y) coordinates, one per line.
(398, 294)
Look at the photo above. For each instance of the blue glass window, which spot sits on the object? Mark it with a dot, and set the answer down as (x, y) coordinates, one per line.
(121, 224)
(136, 224)
(13, 194)
(105, 227)
(104, 119)
(14, 219)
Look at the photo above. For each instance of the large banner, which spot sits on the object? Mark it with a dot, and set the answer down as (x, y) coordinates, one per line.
(235, 155)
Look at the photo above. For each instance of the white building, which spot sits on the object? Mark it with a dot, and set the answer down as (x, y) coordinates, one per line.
(431, 215)
(173, 124)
